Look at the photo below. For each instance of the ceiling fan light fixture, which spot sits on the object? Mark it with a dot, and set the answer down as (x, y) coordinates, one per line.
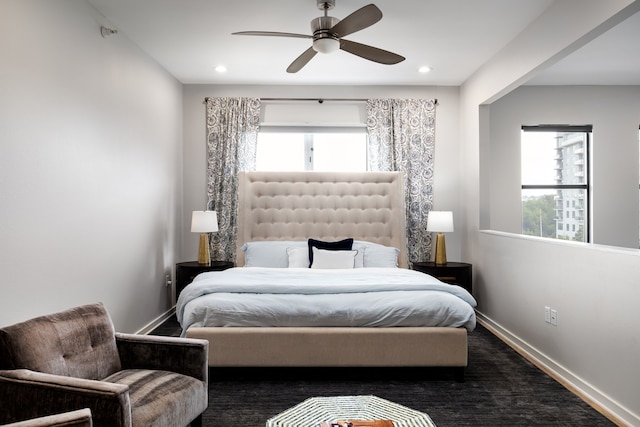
(326, 45)
(328, 32)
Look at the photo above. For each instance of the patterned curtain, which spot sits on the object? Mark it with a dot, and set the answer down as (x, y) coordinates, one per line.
(402, 138)
(232, 135)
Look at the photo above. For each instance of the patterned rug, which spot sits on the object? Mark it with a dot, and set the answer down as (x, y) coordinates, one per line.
(315, 410)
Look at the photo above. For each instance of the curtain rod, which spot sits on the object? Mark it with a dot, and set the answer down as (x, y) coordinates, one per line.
(319, 100)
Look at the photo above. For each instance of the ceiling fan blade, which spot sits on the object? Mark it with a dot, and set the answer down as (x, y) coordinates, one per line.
(371, 53)
(301, 60)
(358, 20)
(271, 33)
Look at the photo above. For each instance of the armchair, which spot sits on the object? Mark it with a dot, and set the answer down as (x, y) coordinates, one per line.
(74, 359)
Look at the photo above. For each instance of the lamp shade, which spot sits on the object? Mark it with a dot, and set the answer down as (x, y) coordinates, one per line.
(204, 222)
(440, 221)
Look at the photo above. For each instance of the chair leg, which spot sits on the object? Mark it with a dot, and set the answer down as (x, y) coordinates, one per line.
(197, 422)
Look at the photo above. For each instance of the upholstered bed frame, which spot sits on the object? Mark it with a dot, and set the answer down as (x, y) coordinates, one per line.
(328, 206)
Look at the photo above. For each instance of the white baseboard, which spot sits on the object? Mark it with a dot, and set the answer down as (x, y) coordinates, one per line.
(156, 322)
(602, 403)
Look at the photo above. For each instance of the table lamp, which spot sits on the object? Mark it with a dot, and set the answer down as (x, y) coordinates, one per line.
(440, 222)
(204, 222)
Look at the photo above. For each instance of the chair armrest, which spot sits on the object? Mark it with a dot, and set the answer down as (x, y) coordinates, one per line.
(79, 418)
(28, 394)
(188, 356)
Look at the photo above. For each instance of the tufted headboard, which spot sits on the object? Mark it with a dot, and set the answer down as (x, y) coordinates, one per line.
(322, 205)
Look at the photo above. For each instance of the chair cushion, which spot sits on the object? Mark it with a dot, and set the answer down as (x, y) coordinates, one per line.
(162, 398)
(79, 342)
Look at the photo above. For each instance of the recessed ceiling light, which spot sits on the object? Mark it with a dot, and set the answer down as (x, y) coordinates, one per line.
(221, 69)
(424, 69)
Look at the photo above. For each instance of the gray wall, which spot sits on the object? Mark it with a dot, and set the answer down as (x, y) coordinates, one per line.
(90, 167)
(447, 152)
(614, 112)
(594, 347)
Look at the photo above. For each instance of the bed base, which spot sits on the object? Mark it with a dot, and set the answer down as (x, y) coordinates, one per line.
(334, 347)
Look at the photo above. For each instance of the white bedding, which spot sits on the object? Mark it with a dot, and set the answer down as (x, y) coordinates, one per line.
(365, 297)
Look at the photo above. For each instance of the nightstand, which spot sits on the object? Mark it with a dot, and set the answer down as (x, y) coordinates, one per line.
(187, 271)
(455, 273)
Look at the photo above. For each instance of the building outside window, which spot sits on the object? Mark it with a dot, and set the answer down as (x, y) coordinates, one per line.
(555, 181)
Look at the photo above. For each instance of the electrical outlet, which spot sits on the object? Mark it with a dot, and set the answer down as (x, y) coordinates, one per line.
(547, 314)
(554, 317)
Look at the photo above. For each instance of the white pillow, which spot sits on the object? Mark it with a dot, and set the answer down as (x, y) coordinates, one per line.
(326, 259)
(298, 257)
(377, 255)
(273, 253)
(269, 253)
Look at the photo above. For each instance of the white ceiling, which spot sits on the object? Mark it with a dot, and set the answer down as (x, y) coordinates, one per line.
(191, 37)
(613, 58)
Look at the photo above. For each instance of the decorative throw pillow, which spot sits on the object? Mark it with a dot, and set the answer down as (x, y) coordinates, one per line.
(298, 257)
(330, 259)
(341, 245)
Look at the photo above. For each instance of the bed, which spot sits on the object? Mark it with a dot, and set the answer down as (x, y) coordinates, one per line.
(288, 210)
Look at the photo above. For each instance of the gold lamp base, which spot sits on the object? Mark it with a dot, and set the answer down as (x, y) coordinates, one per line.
(441, 250)
(204, 257)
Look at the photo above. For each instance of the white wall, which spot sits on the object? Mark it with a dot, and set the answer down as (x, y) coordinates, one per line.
(446, 180)
(90, 167)
(614, 112)
(594, 288)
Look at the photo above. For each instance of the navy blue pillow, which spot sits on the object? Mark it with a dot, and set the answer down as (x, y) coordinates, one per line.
(342, 245)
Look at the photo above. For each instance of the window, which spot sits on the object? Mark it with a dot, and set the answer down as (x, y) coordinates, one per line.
(555, 177)
(324, 150)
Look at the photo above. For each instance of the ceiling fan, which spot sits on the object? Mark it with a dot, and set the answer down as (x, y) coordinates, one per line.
(328, 33)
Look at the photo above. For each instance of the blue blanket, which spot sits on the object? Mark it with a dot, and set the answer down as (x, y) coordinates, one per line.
(362, 297)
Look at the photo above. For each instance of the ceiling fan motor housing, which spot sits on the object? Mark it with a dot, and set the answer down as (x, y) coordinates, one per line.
(324, 41)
